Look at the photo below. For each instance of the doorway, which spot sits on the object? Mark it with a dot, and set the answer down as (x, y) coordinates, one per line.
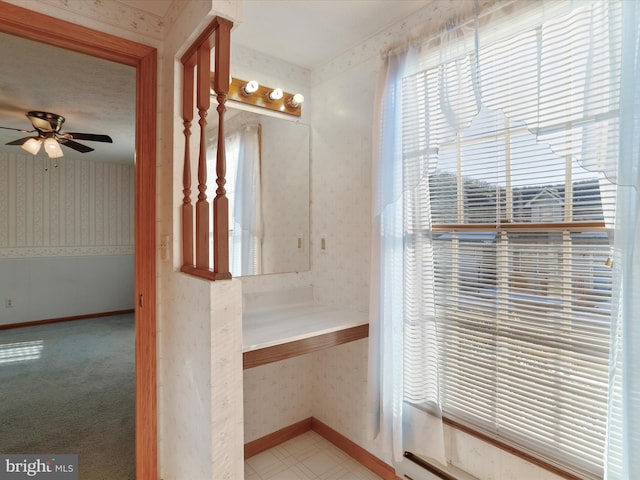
(35, 26)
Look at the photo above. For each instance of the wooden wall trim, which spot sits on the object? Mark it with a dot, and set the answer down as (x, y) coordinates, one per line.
(262, 356)
(33, 25)
(45, 321)
(145, 268)
(352, 449)
(373, 463)
(276, 438)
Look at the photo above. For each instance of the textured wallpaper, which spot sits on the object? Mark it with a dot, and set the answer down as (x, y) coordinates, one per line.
(200, 380)
(120, 14)
(277, 395)
(78, 208)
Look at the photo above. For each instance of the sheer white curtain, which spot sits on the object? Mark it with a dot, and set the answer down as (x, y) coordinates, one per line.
(247, 203)
(623, 432)
(395, 315)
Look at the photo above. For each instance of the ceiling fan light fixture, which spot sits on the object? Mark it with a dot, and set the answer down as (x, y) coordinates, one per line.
(32, 146)
(52, 147)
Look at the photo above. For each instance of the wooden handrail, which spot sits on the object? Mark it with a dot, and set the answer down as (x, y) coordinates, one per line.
(197, 69)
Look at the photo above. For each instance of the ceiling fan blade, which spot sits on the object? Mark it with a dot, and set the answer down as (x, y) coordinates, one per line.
(20, 141)
(90, 136)
(75, 145)
(18, 129)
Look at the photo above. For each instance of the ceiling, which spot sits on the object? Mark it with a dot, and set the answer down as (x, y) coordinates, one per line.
(310, 33)
(94, 96)
(98, 96)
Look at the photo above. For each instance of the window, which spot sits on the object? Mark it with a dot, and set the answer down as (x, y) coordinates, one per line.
(517, 226)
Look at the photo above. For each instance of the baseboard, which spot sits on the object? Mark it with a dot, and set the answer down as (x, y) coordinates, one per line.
(65, 319)
(351, 448)
(276, 438)
(373, 463)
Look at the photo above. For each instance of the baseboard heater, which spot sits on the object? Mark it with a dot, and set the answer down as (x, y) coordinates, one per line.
(416, 468)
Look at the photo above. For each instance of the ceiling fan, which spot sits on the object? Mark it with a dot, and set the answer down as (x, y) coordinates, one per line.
(48, 125)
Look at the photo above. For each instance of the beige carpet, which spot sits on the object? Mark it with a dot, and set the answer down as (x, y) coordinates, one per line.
(69, 388)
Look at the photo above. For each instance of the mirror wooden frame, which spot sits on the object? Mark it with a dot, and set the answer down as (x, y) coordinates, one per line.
(32, 25)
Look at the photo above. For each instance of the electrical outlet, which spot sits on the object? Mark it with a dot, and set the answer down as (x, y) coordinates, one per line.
(8, 302)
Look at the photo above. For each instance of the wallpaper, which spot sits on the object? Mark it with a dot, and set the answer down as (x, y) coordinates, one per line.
(200, 380)
(121, 15)
(277, 395)
(249, 64)
(77, 208)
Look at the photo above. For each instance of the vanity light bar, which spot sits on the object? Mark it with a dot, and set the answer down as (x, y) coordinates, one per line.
(265, 97)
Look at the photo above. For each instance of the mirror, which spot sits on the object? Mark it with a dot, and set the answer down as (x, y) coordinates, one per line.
(268, 190)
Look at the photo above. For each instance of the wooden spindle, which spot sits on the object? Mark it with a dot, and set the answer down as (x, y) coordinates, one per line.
(202, 205)
(221, 202)
(197, 68)
(187, 207)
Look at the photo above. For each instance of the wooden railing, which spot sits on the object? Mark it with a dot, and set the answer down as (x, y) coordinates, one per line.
(197, 69)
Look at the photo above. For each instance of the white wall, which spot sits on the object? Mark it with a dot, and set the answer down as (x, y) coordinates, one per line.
(200, 381)
(58, 287)
(66, 237)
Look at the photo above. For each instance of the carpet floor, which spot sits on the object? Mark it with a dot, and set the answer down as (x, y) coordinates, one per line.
(69, 388)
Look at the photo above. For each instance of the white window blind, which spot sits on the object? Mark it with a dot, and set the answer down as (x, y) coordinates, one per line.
(518, 229)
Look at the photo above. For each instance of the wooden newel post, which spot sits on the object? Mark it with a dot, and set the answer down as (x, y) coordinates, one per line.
(221, 202)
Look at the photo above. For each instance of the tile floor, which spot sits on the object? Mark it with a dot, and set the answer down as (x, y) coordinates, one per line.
(306, 457)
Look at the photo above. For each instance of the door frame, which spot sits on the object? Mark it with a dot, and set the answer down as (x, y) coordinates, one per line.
(32, 25)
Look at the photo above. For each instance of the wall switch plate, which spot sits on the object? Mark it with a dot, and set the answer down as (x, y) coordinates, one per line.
(323, 243)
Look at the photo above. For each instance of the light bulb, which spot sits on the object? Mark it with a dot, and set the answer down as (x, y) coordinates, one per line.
(296, 100)
(275, 94)
(250, 87)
